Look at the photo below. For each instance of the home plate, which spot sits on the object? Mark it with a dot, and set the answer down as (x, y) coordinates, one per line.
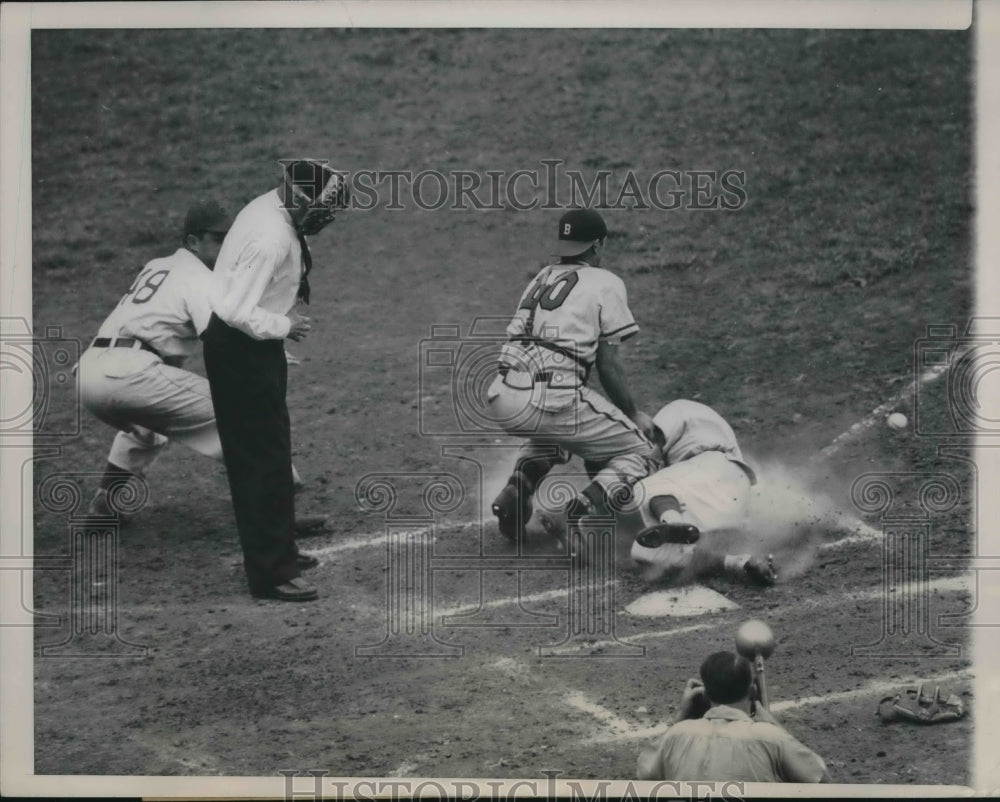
(686, 601)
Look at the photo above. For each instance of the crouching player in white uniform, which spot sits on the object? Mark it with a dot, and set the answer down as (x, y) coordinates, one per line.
(701, 495)
(131, 376)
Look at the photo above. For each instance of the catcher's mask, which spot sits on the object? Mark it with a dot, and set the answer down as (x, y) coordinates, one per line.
(318, 189)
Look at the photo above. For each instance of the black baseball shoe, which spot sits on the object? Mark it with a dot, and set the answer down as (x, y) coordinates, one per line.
(310, 525)
(306, 561)
(513, 511)
(294, 590)
(655, 536)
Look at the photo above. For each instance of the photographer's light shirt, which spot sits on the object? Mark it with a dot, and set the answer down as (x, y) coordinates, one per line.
(727, 745)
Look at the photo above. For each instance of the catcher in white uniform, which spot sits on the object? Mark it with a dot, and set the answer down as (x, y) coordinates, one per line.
(570, 319)
(703, 489)
(131, 376)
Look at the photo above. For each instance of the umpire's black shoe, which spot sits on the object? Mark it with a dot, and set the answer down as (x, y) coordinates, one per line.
(294, 590)
(657, 535)
(310, 525)
(306, 561)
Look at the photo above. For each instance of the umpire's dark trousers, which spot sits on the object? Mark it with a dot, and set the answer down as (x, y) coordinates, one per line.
(248, 379)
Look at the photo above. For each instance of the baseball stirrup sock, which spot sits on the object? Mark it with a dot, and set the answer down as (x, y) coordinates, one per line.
(660, 505)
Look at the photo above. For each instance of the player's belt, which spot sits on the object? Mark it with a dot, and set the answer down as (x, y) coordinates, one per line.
(123, 342)
(538, 376)
(558, 349)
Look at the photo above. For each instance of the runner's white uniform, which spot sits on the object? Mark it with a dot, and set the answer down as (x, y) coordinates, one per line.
(706, 473)
(541, 392)
(133, 389)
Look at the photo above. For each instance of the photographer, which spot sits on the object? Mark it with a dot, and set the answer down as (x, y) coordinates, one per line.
(715, 738)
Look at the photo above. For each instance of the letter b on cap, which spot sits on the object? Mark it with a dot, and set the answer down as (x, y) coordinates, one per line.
(566, 229)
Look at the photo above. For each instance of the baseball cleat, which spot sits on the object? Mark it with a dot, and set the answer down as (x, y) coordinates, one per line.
(99, 505)
(760, 571)
(512, 512)
(100, 508)
(655, 536)
(553, 528)
(306, 561)
(665, 557)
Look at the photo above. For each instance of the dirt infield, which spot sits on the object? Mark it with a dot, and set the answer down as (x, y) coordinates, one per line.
(435, 650)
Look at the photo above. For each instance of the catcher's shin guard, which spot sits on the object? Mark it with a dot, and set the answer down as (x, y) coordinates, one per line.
(512, 506)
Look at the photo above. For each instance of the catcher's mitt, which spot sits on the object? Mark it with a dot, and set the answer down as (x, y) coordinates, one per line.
(915, 706)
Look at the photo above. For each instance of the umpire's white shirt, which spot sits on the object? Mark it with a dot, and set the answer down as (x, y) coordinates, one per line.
(256, 278)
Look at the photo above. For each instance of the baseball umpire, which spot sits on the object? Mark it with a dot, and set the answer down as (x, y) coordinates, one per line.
(261, 272)
(131, 376)
(570, 319)
(703, 489)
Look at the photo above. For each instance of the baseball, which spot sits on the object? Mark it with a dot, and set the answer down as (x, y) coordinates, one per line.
(897, 420)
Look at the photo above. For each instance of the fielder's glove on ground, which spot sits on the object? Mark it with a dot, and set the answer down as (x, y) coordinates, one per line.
(914, 705)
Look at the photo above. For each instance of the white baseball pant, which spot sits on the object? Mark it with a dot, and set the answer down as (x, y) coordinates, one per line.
(577, 420)
(713, 493)
(150, 403)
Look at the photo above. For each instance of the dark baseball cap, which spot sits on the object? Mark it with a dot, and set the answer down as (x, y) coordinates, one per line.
(578, 229)
(206, 216)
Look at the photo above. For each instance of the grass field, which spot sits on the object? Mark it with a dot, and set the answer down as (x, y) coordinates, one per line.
(794, 315)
